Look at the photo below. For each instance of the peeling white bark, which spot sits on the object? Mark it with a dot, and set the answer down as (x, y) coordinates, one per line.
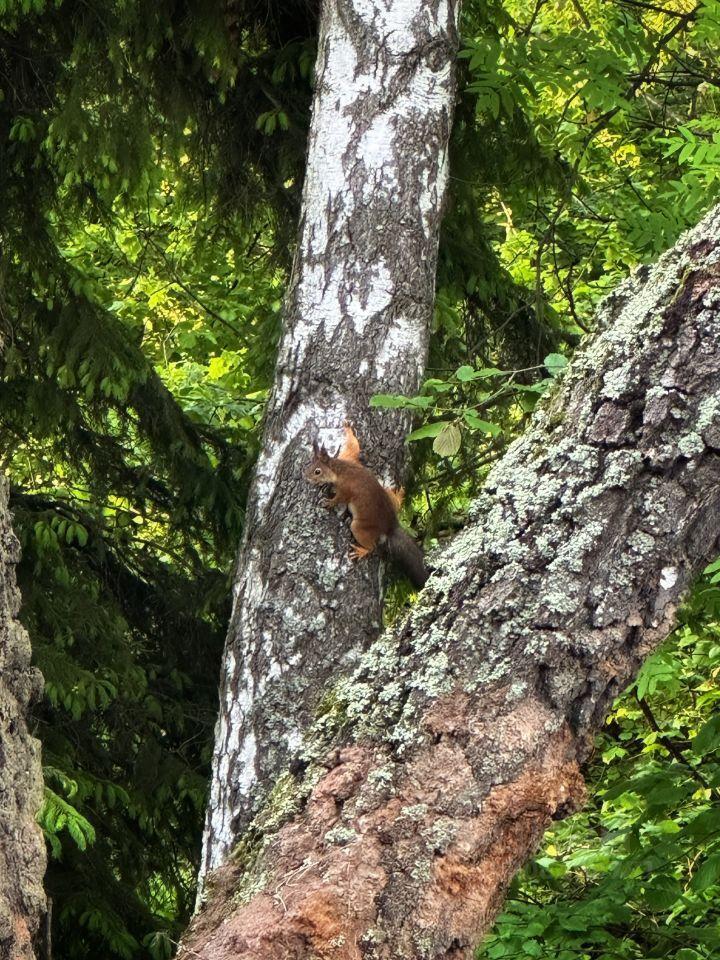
(357, 319)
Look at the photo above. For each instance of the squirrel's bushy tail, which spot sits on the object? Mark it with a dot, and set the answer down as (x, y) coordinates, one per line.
(408, 554)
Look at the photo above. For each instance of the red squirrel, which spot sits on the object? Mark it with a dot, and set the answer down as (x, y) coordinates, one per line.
(374, 508)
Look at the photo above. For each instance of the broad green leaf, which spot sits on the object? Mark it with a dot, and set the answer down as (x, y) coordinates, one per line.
(555, 363)
(662, 892)
(447, 442)
(707, 874)
(427, 430)
(708, 738)
(388, 400)
(476, 423)
(466, 373)
(439, 386)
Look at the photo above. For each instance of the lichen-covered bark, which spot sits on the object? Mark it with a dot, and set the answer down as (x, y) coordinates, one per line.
(22, 849)
(439, 763)
(356, 323)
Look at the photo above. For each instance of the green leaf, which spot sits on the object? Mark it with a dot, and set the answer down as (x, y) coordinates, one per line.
(555, 363)
(388, 400)
(421, 402)
(81, 534)
(439, 386)
(704, 825)
(447, 442)
(466, 373)
(427, 430)
(532, 948)
(662, 893)
(707, 739)
(708, 873)
(574, 922)
(476, 423)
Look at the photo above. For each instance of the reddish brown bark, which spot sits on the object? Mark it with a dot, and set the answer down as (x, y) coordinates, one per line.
(323, 901)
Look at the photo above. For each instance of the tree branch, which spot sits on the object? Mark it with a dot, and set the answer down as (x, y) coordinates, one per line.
(434, 769)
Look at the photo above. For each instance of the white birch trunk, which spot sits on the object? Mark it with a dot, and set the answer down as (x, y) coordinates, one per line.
(356, 323)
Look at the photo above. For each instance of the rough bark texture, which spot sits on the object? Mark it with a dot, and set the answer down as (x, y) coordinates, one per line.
(22, 848)
(462, 732)
(357, 319)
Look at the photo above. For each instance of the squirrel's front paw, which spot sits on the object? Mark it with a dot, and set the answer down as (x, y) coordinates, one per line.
(328, 503)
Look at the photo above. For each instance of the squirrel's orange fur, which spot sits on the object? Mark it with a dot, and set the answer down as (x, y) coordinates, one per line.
(373, 507)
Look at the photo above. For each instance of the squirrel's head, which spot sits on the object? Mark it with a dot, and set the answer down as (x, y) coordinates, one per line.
(320, 469)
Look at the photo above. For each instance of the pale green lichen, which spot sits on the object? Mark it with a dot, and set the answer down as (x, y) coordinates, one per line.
(433, 675)
(425, 945)
(380, 777)
(416, 812)
(691, 444)
(378, 787)
(421, 871)
(617, 381)
(340, 835)
(708, 412)
(246, 854)
(517, 691)
(442, 833)
(374, 936)
(282, 802)
(249, 886)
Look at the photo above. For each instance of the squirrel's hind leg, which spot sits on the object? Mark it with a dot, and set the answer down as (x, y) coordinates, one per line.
(366, 541)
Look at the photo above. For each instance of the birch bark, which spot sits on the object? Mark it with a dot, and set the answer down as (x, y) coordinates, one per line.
(356, 323)
(440, 762)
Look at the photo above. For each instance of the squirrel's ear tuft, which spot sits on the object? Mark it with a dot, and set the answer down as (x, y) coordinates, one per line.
(316, 448)
(324, 455)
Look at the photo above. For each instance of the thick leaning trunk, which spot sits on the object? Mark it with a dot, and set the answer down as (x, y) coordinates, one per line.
(356, 323)
(22, 848)
(441, 761)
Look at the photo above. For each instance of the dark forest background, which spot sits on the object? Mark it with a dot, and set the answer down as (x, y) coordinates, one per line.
(151, 167)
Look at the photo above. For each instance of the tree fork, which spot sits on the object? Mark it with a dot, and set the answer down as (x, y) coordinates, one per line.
(440, 762)
(356, 323)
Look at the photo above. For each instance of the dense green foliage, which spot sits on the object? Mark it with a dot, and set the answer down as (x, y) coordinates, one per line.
(637, 873)
(151, 158)
(139, 309)
(587, 138)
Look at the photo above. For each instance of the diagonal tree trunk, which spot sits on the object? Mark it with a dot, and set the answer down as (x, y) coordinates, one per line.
(22, 848)
(356, 323)
(439, 763)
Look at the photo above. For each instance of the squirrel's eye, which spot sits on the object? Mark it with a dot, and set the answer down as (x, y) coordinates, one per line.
(318, 471)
